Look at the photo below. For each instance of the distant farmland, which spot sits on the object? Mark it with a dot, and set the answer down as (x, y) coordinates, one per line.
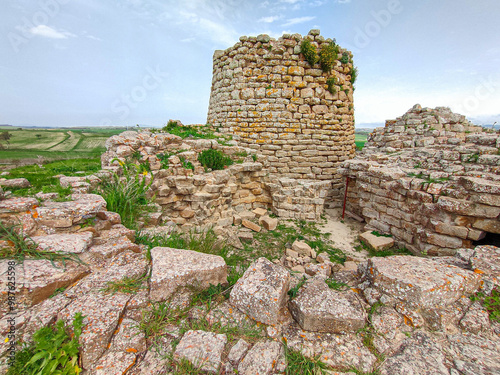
(53, 144)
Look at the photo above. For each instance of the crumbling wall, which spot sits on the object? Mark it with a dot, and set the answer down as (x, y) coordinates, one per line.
(273, 101)
(431, 179)
(195, 197)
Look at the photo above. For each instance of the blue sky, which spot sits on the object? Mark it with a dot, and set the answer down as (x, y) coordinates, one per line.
(127, 62)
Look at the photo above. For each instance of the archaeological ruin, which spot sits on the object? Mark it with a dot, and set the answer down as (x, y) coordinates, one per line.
(236, 268)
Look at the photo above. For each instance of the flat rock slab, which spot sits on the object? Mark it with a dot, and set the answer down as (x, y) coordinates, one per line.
(417, 355)
(420, 282)
(15, 183)
(126, 264)
(175, 269)
(262, 359)
(321, 309)
(15, 205)
(68, 243)
(203, 349)
(114, 247)
(377, 243)
(102, 313)
(83, 206)
(486, 261)
(37, 279)
(261, 292)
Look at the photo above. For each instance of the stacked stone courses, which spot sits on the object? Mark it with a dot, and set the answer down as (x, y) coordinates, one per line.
(429, 178)
(273, 101)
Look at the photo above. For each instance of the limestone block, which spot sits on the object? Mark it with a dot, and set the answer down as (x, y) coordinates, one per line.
(375, 242)
(176, 269)
(321, 309)
(261, 292)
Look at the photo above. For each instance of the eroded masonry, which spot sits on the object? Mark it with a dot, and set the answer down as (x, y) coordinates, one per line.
(299, 115)
(431, 179)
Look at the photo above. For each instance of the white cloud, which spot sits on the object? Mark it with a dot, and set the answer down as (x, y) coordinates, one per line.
(269, 19)
(295, 21)
(343, 1)
(48, 32)
(289, 1)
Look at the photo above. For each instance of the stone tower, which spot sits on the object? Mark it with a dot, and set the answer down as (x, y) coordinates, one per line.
(271, 99)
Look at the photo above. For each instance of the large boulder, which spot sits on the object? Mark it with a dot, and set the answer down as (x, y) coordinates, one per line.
(68, 243)
(261, 292)
(420, 283)
(321, 309)
(176, 269)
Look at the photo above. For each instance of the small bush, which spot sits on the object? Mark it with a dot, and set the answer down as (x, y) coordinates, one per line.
(491, 303)
(309, 51)
(298, 363)
(54, 351)
(214, 159)
(327, 56)
(354, 75)
(331, 85)
(185, 131)
(126, 196)
(345, 58)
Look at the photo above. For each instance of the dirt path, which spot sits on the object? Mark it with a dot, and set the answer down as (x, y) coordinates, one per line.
(344, 233)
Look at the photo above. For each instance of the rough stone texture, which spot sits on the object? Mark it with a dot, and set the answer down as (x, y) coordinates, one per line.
(266, 94)
(100, 322)
(37, 279)
(69, 243)
(261, 292)
(430, 179)
(17, 183)
(238, 351)
(420, 282)
(302, 248)
(268, 223)
(202, 349)
(338, 351)
(486, 261)
(321, 309)
(476, 319)
(114, 363)
(418, 355)
(262, 359)
(474, 354)
(16, 205)
(250, 225)
(377, 243)
(175, 269)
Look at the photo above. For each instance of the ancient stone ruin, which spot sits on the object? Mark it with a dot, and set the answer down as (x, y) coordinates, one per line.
(272, 100)
(431, 179)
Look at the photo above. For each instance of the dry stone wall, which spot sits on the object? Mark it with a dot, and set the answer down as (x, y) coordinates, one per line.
(431, 179)
(195, 197)
(273, 101)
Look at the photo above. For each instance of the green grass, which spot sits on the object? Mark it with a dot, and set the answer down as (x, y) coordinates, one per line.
(360, 140)
(42, 178)
(336, 285)
(130, 285)
(491, 303)
(299, 364)
(186, 131)
(54, 351)
(292, 293)
(126, 196)
(18, 246)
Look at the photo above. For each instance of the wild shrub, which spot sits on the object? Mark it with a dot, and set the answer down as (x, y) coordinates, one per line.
(309, 51)
(214, 159)
(54, 351)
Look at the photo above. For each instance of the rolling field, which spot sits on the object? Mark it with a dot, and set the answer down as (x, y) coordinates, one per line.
(53, 144)
(360, 140)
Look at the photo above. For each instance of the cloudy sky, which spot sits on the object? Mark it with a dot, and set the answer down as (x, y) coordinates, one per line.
(127, 62)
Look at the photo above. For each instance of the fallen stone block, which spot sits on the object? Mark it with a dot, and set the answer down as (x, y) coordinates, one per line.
(420, 282)
(175, 269)
(261, 292)
(245, 236)
(321, 309)
(262, 359)
(202, 349)
(15, 205)
(17, 183)
(260, 212)
(68, 243)
(375, 242)
(268, 223)
(250, 225)
(302, 248)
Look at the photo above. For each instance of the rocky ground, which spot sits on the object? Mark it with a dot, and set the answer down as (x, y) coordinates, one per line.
(273, 300)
